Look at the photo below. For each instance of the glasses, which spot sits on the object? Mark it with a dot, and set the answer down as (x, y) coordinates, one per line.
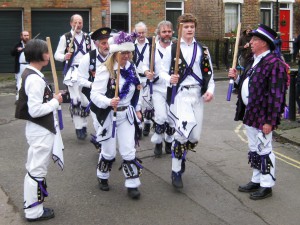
(125, 53)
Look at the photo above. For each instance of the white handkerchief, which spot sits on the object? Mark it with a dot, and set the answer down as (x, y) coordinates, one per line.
(58, 147)
(264, 139)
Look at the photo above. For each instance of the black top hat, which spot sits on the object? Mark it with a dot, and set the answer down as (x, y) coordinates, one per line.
(101, 33)
(265, 33)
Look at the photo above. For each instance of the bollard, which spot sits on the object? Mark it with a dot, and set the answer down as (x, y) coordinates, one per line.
(292, 94)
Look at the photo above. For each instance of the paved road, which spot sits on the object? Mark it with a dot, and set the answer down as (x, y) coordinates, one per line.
(211, 179)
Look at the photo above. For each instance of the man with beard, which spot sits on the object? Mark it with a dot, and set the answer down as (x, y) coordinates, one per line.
(20, 62)
(163, 130)
(88, 66)
(70, 52)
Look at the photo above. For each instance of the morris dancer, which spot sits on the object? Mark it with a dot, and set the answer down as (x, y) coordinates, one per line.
(37, 104)
(88, 66)
(128, 107)
(163, 130)
(261, 101)
(141, 59)
(195, 85)
(70, 51)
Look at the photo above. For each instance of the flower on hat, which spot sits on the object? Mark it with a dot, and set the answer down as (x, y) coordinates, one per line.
(122, 42)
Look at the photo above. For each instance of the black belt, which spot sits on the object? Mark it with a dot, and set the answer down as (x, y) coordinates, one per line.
(190, 86)
(24, 63)
(142, 75)
(121, 108)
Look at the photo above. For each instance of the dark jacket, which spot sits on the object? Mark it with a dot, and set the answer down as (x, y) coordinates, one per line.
(267, 91)
(14, 52)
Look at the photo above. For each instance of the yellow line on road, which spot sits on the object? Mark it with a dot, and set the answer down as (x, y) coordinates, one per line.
(284, 156)
(288, 162)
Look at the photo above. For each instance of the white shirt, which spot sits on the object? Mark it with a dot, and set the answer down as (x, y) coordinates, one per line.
(145, 64)
(99, 88)
(187, 52)
(84, 68)
(34, 89)
(62, 45)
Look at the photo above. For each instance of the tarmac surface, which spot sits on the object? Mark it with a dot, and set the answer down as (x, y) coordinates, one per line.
(288, 131)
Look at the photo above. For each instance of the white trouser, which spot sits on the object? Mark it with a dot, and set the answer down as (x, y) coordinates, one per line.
(253, 142)
(161, 116)
(95, 121)
(126, 145)
(77, 96)
(38, 158)
(188, 109)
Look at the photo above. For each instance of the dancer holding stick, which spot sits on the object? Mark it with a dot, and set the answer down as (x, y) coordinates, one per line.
(118, 108)
(37, 104)
(194, 86)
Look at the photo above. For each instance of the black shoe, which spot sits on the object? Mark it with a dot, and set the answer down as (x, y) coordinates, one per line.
(133, 193)
(168, 146)
(176, 180)
(103, 184)
(80, 135)
(84, 131)
(263, 192)
(47, 214)
(146, 129)
(158, 149)
(250, 187)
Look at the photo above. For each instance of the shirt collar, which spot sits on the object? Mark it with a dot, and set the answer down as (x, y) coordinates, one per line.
(259, 57)
(36, 70)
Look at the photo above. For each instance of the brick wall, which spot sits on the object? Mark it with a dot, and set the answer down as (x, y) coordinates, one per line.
(150, 12)
(27, 5)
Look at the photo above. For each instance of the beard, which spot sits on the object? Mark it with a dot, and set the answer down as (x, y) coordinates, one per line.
(165, 40)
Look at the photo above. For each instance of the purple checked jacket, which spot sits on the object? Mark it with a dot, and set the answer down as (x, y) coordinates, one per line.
(267, 91)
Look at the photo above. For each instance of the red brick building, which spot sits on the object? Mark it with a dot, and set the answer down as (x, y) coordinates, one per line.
(216, 18)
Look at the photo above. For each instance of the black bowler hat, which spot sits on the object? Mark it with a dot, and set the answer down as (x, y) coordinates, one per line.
(101, 33)
(265, 33)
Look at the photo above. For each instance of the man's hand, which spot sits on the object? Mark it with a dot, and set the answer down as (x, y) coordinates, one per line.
(149, 75)
(208, 96)
(58, 97)
(232, 74)
(68, 56)
(139, 115)
(174, 79)
(267, 128)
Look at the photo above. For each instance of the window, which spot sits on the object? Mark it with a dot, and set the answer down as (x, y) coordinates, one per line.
(173, 10)
(232, 17)
(120, 15)
(266, 13)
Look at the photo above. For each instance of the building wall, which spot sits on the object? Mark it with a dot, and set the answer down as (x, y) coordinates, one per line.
(27, 5)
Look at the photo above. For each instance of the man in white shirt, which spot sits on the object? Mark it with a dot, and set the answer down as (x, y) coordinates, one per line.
(71, 48)
(88, 67)
(187, 91)
(141, 59)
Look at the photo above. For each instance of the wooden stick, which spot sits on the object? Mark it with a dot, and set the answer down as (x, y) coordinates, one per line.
(235, 56)
(56, 87)
(178, 48)
(117, 78)
(152, 55)
(236, 47)
(174, 90)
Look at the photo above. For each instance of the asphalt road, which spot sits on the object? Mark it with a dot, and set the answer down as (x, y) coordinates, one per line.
(211, 179)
